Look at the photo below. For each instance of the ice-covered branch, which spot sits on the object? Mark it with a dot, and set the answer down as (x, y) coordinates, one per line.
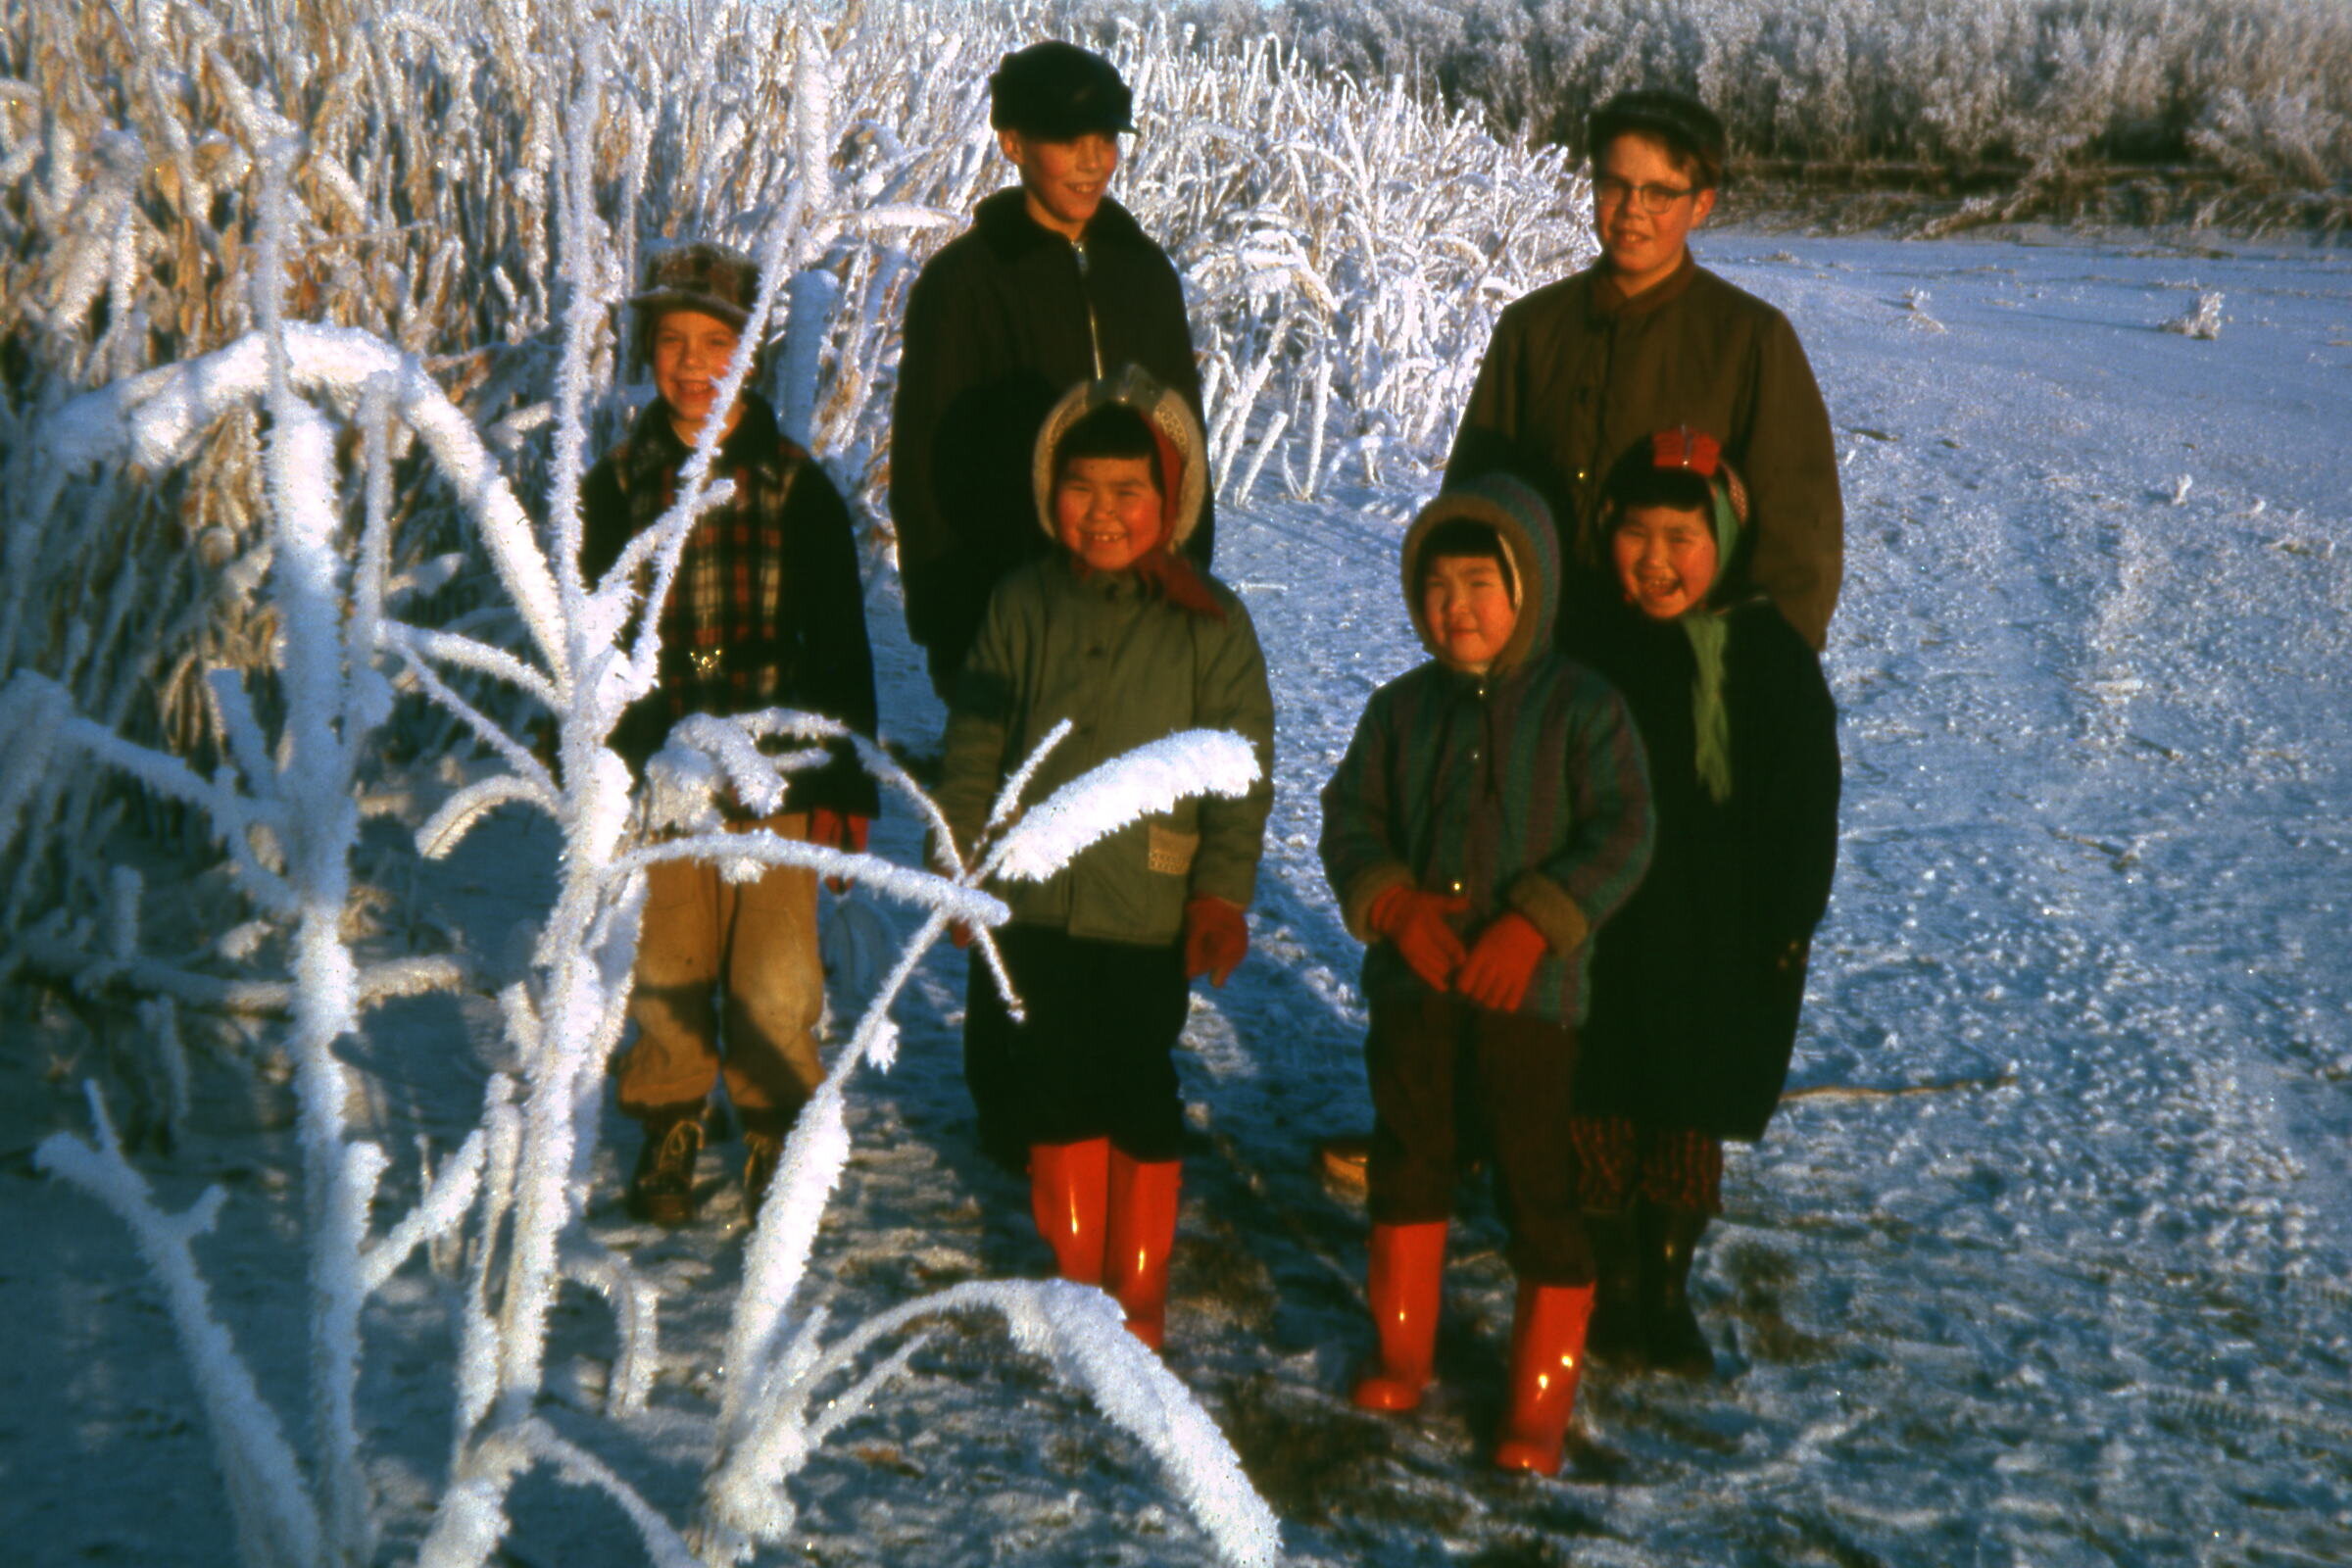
(277, 1523)
(1081, 1333)
(155, 418)
(1101, 800)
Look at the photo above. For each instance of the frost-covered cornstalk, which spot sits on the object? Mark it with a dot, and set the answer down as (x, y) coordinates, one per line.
(285, 806)
(285, 809)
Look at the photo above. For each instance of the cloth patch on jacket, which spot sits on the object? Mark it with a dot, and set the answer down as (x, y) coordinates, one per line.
(1171, 852)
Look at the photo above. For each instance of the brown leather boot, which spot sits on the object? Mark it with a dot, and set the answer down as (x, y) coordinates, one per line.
(1141, 1236)
(1406, 1284)
(1547, 1358)
(662, 1188)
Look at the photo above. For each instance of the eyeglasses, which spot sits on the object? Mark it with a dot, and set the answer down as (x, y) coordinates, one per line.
(1610, 191)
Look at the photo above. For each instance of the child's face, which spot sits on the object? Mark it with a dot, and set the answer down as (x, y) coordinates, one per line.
(691, 352)
(1066, 178)
(1107, 511)
(1640, 246)
(1665, 558)
(1466, 607)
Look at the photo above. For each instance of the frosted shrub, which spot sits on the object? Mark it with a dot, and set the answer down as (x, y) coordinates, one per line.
(1346, 248)
(342, 404)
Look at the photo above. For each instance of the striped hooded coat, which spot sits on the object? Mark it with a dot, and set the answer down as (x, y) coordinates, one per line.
(1523, 789)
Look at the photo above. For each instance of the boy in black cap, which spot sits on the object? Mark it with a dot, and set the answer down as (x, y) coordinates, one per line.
(1053, 284)
(767, 610)
(1645, 340)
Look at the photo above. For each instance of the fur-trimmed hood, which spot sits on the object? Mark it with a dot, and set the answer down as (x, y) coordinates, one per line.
(1171, 419)
(1530, 543)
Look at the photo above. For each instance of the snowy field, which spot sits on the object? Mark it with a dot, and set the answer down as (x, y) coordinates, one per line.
(2044, 1264)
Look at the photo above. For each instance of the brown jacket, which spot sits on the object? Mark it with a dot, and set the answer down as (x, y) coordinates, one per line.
(1576, 374)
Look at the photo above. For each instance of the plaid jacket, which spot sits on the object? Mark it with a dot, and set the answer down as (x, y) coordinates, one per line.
(768, 609)
(1522, 789)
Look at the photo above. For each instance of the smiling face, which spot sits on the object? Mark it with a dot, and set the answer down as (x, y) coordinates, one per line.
(1642, 248)
(691, 352)
(1467, 611)
(1665, 558)
(1063, 180)
(1107, 511)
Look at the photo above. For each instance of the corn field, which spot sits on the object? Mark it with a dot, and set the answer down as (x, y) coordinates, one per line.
(1345, 248)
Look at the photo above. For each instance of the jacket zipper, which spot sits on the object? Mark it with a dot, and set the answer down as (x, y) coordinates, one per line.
(1093, 334)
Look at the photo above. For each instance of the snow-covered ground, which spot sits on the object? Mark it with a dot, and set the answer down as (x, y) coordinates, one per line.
(2045, 1265)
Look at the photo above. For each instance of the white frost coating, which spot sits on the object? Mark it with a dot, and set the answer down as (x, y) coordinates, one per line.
(635, 1304)
(155, 419)
(159, 1017)
(277, 1523)
(440, 1211)
(922, 888)
(447, 827)
(1101, 800)
(1084, 1334)
(1008, 798)
(1078, 1330)
(814, 1157)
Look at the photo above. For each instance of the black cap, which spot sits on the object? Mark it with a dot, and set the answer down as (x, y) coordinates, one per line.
(1057, 90)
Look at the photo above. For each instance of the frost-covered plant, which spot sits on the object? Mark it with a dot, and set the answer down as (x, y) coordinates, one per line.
(1346, 249)
(284, 804)
(2203, 321)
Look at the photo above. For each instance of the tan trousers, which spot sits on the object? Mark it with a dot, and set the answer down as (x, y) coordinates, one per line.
(754, 943)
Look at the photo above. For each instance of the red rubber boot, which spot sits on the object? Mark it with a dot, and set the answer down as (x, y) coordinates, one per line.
(1548, 1357)
(1068, 1187)
(1408, 1268)
(1142, 1233)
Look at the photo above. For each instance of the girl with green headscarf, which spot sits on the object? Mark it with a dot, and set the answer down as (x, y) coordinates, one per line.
(1696, 984)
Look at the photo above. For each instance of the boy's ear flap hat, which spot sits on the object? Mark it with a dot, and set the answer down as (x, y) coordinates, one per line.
(1182, 450)
(1056, 91)
(716, 279)
(1522, 525)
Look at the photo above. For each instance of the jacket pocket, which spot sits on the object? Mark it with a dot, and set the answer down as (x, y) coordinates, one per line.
(1170, 853)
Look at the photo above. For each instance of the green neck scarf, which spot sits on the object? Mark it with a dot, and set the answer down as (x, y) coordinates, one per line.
(1708, 631)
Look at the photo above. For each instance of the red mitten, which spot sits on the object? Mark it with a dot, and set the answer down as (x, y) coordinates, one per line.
(839, 831)
(1216, 939)
(1416, 922)
(1497, 973)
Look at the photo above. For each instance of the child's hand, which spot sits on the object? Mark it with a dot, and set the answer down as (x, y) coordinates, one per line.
(1216, 939)
(1416, 922)
(1497, 973)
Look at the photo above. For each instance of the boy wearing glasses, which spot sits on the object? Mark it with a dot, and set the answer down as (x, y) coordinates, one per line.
(1645, 340)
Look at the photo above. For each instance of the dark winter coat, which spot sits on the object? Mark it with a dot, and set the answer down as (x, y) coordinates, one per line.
(1126, 667)
(1008, 317)
(1698, 982)
(1520, 789)
(1576, 374)
(781, 618)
